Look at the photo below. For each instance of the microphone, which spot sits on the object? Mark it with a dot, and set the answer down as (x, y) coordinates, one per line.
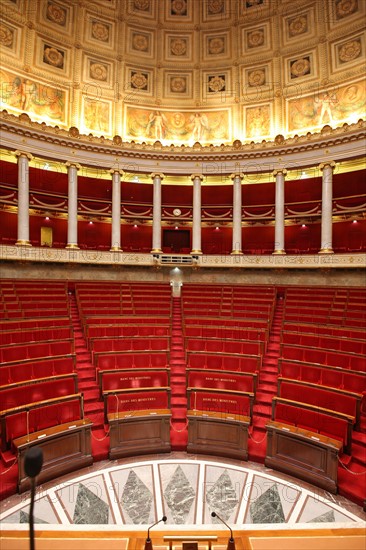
(148, 543)
(33, 462)
(231, 542)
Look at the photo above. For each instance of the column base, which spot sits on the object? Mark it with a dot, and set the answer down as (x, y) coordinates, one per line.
(236, 253)
(326, 251)
(198, 252)
(115, 249)
(156, 251)
(72, 246)
(21, 242)
(278, 252)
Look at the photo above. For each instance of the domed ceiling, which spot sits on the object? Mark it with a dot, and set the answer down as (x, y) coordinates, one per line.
(184, 71)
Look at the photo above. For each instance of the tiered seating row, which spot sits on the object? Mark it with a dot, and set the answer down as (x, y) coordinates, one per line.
(312, 418)
(36, 334)
(242, 363)
(323, 357)
(324, 330)
(224, 346)
(36, 350)
(39, 416)
(331, 399)
(41, 368)
(323, 375)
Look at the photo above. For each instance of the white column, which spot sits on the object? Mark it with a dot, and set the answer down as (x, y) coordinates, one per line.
(279, 244)
(196, 226)
(72, 207)
(23, 198)
(116, 210)
(237, 245)
(156, 229)
(327, 199)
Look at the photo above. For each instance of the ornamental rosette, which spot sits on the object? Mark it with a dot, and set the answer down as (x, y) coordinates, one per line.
(257, 77)
(98, 72)
(178, 84)
(300, 67)
(56, 14)
(53, 57)
(298, 25)
(140, 42)
(346, 7)
(6, 35)
(349, 51)
(139, 80)
(216, 45)
(179, 7)
(178, 46)
(100, 31)
(216, 84)
(256, 38)
(215, 6)
(142, 5)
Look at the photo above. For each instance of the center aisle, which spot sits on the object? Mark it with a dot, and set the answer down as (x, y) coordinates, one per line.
(87, 385)
(178, 431)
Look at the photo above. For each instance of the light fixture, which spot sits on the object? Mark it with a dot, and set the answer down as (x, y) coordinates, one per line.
(90, 223)
(135, 226)
(303, 225)
(354, 221)
(47, 218)
(176, 227)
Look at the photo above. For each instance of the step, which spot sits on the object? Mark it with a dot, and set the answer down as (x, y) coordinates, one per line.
(87, 385)
(97, 419)
(264, 377)
(262, 409)
(8, 458)
(260, 422)
(262, 397)
(92, 394)
(359, 453)
(93, 408)
(179, 414)
(86, 376)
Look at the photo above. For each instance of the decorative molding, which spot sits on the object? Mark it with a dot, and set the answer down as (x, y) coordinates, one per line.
(24, 253)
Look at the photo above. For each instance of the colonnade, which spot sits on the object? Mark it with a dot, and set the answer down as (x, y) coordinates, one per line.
(72, 234)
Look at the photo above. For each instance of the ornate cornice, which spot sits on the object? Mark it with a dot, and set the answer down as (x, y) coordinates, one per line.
(27, 129)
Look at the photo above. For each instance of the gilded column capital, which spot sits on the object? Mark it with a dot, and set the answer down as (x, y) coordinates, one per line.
(194, 176)
(237, 175)
(153, 176)
(69, 163)
(279, 171)
(323, 165)
(116, 171)
(18, 154)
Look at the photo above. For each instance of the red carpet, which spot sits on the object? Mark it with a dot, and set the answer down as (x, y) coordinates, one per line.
(266, 389)
(178, 430)
(93, 405)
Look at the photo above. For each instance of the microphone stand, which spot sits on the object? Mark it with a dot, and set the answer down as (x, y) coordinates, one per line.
(31, 516)
(33, 461)
(148, 541)
(231, 541)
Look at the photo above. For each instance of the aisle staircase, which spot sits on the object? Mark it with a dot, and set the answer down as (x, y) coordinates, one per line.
(178, 431)
(87, 385)
(266, 388)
